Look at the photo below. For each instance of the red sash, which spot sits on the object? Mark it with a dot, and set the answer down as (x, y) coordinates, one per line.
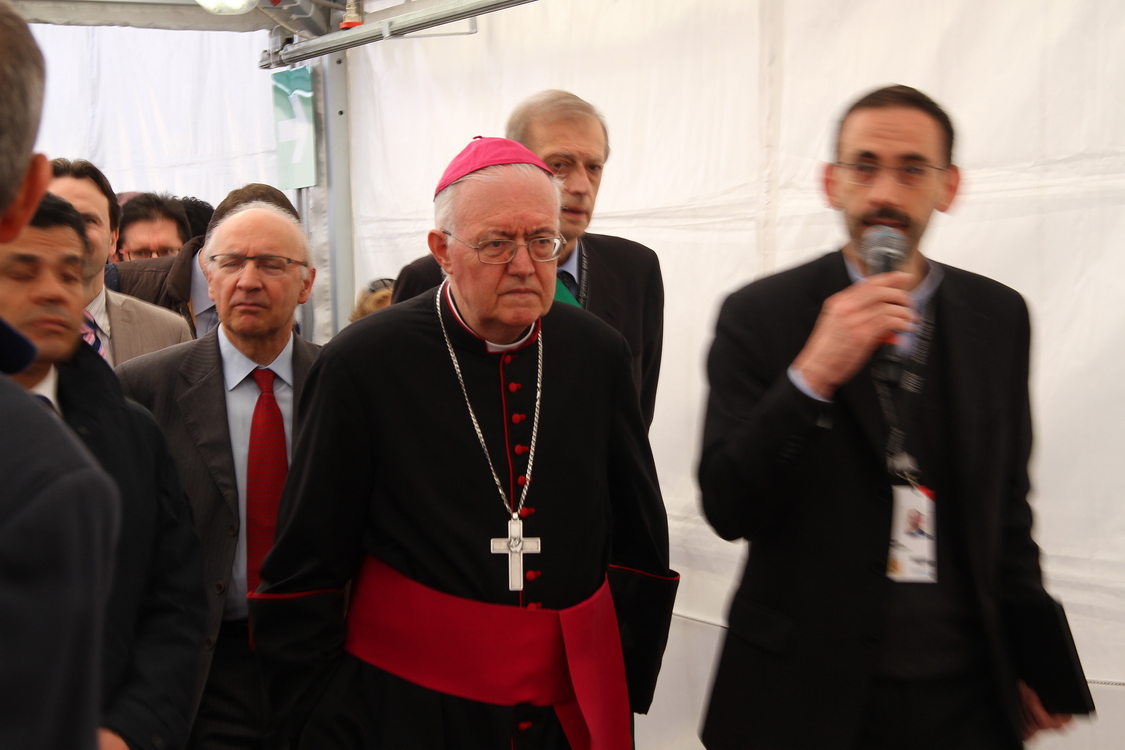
(566, 658)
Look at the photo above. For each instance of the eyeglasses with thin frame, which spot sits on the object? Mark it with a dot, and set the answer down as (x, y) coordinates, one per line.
(230, 264)
(908, 175)
(499, 252)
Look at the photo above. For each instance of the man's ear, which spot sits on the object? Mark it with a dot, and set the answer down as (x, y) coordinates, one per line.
(830, 185)
(23, 206)
(952, 177)
(439, 246)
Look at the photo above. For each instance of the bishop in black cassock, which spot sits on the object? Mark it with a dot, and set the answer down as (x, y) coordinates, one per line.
(390, 481)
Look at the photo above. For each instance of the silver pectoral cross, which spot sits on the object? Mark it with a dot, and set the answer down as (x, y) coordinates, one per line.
(515, 546)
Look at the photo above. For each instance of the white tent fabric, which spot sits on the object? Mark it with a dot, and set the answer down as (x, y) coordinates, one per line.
(720, 114)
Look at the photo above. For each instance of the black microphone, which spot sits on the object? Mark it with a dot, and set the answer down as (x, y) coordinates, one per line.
(884, 249)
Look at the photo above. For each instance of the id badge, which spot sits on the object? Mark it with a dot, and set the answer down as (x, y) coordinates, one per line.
(913, 553)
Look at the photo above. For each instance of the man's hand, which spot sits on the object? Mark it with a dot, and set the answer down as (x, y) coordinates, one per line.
(1035, 717)
(110, 740)
(851, 325)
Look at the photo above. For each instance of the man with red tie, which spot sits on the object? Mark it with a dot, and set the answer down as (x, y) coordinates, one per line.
(227, 403)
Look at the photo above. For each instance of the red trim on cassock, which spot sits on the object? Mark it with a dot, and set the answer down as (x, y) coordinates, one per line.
(650, 575)
(297, 595)
(566, 658)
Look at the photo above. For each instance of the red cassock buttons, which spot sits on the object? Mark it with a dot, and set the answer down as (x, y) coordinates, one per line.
(513, 387)
(524, 726)
(517, 418)
(521, 449)
(525, 512)
(534, 605)
(507, 359)
(521, 480)
(531, 575)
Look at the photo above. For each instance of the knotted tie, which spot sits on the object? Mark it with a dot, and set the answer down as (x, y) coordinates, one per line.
(266, 468)
(90, 334)
(569, 282)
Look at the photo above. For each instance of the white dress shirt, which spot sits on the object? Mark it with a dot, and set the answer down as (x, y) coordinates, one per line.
(98, 312)
(242, 396)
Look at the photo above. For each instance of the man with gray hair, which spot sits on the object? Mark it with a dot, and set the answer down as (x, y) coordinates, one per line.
(479, 612)
(616, 279)
(227, 403)
(58, 510)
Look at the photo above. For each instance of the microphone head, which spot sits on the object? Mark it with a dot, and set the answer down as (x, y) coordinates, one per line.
(883, 249)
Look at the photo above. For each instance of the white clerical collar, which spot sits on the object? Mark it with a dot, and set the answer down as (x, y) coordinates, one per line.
(97, 311)
(200, 297)
(491, 347)
(236, 365)
(48, 388)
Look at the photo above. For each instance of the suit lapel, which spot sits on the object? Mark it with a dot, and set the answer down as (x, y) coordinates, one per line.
(858, 395)
(121, 327)
(970, 372)
(601, 299)
(203, 407)
(304, 352)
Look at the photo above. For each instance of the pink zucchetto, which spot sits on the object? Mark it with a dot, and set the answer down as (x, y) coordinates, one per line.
(487, 152)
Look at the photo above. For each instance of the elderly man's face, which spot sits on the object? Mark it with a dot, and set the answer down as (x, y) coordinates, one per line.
(500, 301)
(42, 289)
(250, 302)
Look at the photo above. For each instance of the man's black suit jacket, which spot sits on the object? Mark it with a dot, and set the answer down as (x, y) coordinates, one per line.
(805, 482)
(624, 288)
(183, 387)
(157, 607)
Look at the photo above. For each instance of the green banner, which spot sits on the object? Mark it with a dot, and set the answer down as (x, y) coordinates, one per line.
(293, 116)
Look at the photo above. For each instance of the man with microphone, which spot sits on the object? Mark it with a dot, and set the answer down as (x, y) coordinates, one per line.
(854, 400)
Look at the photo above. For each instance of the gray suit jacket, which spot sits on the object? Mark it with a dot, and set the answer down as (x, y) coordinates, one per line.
(183, 388)
(138, 327)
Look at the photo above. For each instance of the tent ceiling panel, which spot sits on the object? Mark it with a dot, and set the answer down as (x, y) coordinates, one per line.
(145, 14)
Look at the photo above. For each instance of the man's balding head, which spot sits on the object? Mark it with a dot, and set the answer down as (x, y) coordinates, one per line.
(23, 177)
(570, 136)
(258, 271)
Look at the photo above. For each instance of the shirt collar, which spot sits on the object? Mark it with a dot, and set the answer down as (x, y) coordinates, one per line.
(200, 297)
(97, 311)
(48, 387)
(571, 265)
(236, 365)
(919, 295)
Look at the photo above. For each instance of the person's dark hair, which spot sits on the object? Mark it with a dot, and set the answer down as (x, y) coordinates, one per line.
(54, 212)
(255, 192)
(154, 207)
(80, 169)
(21, 100)
(199, 214)
(910, 98)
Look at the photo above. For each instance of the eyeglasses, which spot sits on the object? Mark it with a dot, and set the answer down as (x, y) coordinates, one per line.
(231, 264)
(378, 284)
(499, 252)
(908, 175)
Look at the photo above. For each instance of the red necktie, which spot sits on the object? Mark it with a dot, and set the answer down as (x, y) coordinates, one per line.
(90, 334)
(266, 468)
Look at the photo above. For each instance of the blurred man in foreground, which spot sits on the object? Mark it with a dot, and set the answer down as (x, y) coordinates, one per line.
(58, 510)
(847, 395)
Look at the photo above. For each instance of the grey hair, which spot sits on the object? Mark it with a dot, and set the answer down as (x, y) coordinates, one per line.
(552, 105)
(269, 208)
(445, 215)
(22, 72)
